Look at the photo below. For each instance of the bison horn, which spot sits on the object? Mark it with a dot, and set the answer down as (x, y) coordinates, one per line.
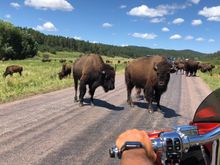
(155, 67)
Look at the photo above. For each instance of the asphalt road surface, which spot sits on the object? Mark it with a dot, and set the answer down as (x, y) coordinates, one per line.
(50, 129)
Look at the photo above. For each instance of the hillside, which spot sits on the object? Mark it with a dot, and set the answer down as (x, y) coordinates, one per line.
(58, 43)
(52, 43)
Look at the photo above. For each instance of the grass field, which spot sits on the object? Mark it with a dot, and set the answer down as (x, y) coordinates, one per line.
(39, 77)
(212, 81)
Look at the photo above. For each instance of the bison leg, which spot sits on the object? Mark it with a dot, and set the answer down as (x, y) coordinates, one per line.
(149, 97)
(20, 73)
(76, 87)
(129, 100)
(157, 97)
(82, 89)
(92, 88)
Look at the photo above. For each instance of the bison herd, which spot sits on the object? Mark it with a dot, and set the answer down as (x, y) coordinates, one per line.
(189, 67)
(149, 74)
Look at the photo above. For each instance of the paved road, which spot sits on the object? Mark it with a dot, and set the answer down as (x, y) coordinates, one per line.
(51, 129)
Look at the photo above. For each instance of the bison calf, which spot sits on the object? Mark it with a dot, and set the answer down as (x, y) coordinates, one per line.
(13, 69)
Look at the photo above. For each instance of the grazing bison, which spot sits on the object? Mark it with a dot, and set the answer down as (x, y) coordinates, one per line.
(46, 60)
(151, 74)
(206, 68)
(13, 69)
(62, 60)
(66, 71)
(92, 71)
(191, 67)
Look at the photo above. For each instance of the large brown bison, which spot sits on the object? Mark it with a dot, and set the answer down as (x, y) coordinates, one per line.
(13, 69)
(191, 67)
(151, 74)
(92, 71)
(65, 71)
(206, 67)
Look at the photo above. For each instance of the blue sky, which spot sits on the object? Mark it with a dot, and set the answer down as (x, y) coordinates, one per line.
(180, 24)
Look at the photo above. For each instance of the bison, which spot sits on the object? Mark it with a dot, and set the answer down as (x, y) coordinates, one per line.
(191, 67)
(206, 68)
(151, 74)
(46, 60)
(62, 60)
(92, 71)
(66, 71)
(180, 67)
(13, 69)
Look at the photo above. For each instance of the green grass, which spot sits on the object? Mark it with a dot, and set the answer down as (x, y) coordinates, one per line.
(38, 77)
(212, 81)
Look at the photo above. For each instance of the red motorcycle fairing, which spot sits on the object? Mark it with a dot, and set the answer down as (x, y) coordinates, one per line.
(206, 118)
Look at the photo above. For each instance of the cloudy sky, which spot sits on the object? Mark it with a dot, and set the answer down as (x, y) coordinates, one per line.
(180, 24)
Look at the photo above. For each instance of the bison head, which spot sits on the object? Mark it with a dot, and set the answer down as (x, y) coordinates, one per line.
(163, 70)
(5, 74)
(61, 75)
(108, 78)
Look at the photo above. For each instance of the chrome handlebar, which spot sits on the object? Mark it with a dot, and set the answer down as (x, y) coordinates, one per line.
(173, 144)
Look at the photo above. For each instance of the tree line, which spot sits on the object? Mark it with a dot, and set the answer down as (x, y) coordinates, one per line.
(52, 43)
(20, 43)
(16, 43)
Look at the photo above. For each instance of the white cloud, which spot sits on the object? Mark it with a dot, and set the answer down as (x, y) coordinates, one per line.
(63, 5)
(175, 37)
(189, 37)
(178, 21)
(94, 42)
(145, 11)
(157, 20)
(15, 5)
(77, 38)
(217, 19)
(200, 39)
(171, 8)
(165, 29)
(159, 11)
(47, 26)
(107, 25)
(123, 6)
(144, 36)
(195, 1)
(124, 45)
(211, 40)
(212, 13)
(7, 16)
(196, 22)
